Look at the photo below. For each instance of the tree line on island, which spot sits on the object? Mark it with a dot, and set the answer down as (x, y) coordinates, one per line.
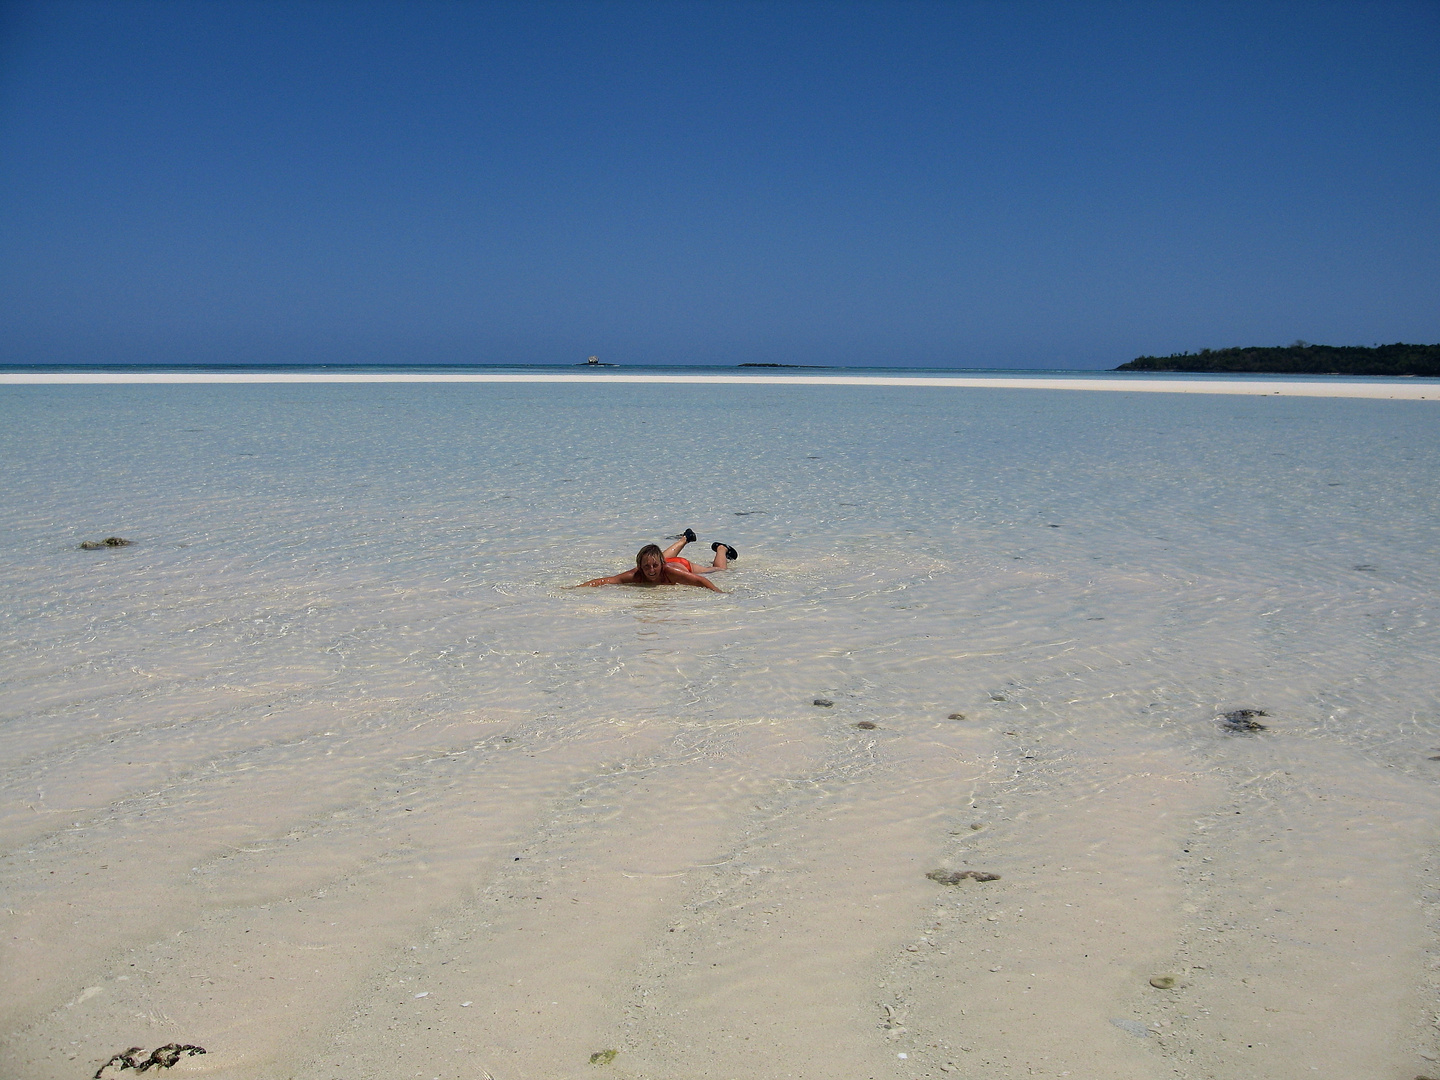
(1302, 358)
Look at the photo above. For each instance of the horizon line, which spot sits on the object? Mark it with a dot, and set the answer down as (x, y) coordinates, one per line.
(1413, 391)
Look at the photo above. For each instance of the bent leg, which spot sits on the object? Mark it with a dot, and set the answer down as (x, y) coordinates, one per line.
(679, 545)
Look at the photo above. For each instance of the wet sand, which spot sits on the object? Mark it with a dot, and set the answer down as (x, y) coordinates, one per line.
(749, 901)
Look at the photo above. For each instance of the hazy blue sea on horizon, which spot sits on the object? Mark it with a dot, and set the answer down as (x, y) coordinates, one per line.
(757, 370)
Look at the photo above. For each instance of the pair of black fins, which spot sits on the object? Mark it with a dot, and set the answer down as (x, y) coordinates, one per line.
(730, 552)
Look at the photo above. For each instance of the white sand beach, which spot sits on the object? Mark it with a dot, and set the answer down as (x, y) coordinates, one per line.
(1382, 388)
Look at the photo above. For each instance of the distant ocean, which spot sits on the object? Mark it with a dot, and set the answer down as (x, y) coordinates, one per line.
(330, 583)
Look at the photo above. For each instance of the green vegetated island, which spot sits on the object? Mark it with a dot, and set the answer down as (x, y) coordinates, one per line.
(1302, 358)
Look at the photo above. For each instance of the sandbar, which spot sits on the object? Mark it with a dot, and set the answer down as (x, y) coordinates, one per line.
(1409, 391)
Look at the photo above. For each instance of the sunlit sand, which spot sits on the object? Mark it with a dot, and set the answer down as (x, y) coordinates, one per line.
(1278, 387)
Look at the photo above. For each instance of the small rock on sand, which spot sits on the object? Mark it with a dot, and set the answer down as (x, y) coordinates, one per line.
(603, 1057)
(1164, 982)
(108, 542)
(957, 716)
(823, 702)
(866, 725)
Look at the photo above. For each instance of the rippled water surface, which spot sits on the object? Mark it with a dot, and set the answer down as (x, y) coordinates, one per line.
(896, 546)
(343, 653)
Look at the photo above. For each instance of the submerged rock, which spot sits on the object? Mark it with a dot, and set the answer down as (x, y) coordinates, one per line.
(603, 1057)
(823, 702)
(954, 877)
(1242, 720)
(866, 725)
(957, 716)
(162, 1057)
(108, 542)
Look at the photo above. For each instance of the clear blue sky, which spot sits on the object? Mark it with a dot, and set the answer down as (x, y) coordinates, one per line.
(921, 184)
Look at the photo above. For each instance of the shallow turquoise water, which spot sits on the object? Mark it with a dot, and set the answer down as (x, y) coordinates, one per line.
(903, 549)
(337, 719)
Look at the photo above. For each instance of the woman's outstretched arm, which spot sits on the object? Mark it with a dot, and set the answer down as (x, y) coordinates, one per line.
(617, 579)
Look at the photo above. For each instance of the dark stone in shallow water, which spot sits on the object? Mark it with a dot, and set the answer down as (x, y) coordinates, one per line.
(954, 877)
(823, 702)
(162, 1057)
(1242, 720)
(866, 725)
(109, 541)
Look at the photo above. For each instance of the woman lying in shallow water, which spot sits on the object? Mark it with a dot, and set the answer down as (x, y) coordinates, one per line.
(656, 567)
